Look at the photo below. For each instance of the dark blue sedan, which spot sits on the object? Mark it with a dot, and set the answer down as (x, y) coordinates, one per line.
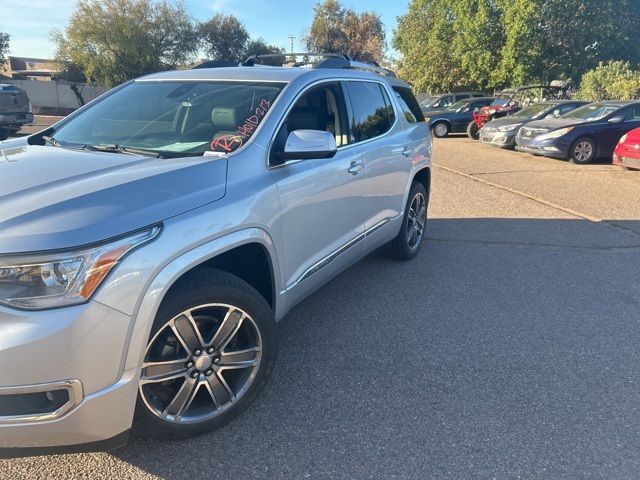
(583, 135)
(455, 118)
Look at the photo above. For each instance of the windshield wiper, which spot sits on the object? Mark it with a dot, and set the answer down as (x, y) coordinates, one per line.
(121, 149)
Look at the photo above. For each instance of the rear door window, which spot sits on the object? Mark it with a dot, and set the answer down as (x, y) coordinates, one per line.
(373, 114)
(409, 104)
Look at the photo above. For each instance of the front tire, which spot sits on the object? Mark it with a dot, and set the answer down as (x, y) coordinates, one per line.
(211, 350)
(441, 129)
(407, 243)
(473, 131)
(583, 151)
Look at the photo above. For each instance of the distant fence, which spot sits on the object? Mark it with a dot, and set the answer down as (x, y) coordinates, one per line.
(56, 98)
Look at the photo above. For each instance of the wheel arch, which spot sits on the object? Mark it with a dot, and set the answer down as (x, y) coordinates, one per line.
(220, 253)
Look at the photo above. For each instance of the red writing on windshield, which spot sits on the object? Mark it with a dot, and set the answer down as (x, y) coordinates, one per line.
(251, 123)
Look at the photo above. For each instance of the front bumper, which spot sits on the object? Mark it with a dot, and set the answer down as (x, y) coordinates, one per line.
(498, 138)
(73, 356)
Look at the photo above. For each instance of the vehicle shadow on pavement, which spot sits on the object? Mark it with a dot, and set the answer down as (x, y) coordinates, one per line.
(508, 347)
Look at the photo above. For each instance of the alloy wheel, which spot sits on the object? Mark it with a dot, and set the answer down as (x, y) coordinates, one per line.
(440, 130)
(200, 363)
(583, 151)
(417, 220)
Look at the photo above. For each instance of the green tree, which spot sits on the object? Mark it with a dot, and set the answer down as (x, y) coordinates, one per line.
(4, 45)
(336, 29)
(521, 54)
(580, 34)
(478, 37)
(115, 40)
(424, 37)
(224, 37)
(259, 47)
(610, 80)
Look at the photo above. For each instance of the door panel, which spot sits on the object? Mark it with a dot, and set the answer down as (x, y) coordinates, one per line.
(322, 200)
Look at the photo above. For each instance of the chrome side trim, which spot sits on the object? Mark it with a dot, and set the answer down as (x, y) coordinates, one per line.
(76, 395)
(329, 258)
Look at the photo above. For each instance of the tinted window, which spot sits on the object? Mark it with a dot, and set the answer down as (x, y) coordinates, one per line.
(372, 111)
(462, 96)
(409, 104)
(631, 114)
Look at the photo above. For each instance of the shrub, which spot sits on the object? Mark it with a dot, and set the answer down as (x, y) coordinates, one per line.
(614, 80)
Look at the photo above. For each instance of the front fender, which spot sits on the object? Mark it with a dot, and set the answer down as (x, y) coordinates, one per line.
(170, 273)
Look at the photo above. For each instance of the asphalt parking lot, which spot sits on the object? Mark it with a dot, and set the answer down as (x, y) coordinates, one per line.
(507, 349)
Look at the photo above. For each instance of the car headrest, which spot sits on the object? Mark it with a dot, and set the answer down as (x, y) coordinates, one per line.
(306, 119)
(224, 118)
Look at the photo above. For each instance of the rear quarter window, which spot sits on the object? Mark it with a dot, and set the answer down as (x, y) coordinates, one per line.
(373, 113)
(409, 105)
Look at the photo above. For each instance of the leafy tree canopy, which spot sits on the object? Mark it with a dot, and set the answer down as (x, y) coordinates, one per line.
(4, 45)
(336, 29)
(224, 37)
(115, 40)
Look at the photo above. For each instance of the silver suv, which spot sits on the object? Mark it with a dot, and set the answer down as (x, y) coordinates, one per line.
(150, 241)
(15, 109)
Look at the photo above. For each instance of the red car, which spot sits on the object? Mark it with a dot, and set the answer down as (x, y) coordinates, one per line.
(627, 152)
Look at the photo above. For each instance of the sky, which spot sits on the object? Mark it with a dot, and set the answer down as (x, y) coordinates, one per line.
(29, 22)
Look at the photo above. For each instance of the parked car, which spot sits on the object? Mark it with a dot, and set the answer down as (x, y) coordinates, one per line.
(501, 132)
(151, 240)
(627, 152)
(455, 118)
(440, 102)
(15, 109)
(511, 100)
(582, 135)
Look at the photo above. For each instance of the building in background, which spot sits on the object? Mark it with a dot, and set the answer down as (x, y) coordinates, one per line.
(25, 68)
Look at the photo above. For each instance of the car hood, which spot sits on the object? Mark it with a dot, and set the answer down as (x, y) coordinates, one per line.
(504, 121)
(555, 123)
(55, 198)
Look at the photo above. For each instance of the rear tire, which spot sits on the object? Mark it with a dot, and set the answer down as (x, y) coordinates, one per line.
(441, 129)
(583, 151)
(407, 243)
(473, 131)
(211, 350)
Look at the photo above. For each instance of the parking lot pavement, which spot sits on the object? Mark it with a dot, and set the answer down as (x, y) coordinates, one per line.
(507, 349)
(40, 122)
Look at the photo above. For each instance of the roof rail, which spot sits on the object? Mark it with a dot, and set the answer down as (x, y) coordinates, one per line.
(327, 60)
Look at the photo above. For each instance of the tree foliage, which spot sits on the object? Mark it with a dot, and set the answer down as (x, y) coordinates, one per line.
(336, 29)
(115, 40)
(4, 45)
(489, 44)
(224, 37)
(259, 47)
(611, 80)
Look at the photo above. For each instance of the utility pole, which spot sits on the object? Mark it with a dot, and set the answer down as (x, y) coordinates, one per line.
(292, 38)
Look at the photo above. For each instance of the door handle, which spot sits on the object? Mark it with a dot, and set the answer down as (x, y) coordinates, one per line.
(355, 167)
(407, 151)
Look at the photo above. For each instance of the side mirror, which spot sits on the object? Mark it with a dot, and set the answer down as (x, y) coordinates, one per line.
(615, 120)
(308, 144)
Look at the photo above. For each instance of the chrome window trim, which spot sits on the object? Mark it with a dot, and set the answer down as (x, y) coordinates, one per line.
(346, 99)
(76, 395)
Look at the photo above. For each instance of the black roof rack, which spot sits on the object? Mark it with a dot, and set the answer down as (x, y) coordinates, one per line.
(320, 60)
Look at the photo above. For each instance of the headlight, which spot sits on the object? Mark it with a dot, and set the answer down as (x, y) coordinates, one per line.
(510, 128)
(554, 134)
(426, 119)
(62, 279)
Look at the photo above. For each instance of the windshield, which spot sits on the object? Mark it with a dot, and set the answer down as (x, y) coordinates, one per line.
(173, 118)
(459, 104)
(534, 111)
(592, 112)
(429, 101)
